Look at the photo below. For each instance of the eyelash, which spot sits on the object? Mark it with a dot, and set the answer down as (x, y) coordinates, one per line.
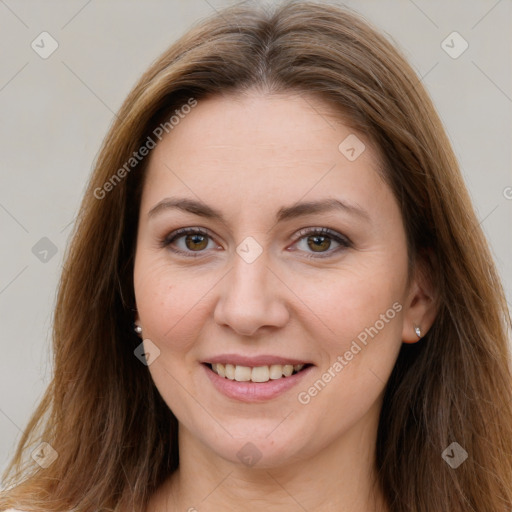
(344, 242)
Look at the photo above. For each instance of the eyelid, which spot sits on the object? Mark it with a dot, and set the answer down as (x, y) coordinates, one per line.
(344, 241)
(178, 233)
(185, 231)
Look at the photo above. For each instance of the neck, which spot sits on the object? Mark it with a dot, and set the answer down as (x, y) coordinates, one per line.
(341, 477)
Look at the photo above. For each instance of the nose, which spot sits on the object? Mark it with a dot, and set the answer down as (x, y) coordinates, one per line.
(251, 297)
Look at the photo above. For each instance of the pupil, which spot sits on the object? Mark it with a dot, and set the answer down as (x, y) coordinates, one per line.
(318, 240)
(196, 240)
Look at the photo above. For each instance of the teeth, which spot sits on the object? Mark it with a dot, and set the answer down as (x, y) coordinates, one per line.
(230, 371)
(242, 373)
(220, 369)
(276, 371)
(260, 374)
(256, 374)
(287, 370)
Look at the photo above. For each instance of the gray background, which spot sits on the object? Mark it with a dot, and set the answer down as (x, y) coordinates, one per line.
(55, 112)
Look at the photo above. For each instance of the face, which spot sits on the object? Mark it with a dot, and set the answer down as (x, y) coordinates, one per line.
(235, 275)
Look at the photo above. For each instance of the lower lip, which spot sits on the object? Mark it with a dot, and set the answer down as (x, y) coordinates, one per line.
(254, 391)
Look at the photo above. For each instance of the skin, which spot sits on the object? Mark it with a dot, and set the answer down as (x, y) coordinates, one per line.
(248, 156)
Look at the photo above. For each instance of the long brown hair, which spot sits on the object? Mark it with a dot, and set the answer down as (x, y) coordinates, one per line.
(115, 437)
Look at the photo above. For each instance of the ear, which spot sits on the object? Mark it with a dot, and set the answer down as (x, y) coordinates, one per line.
(420, 308)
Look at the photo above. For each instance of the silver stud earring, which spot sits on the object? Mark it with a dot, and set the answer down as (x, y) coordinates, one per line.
(138, 329)
(417, 330)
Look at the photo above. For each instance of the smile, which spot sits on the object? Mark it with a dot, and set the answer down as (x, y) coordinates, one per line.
(255, 383)
(255, 373)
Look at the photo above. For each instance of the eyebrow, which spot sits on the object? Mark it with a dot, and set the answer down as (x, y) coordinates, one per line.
(285, 213)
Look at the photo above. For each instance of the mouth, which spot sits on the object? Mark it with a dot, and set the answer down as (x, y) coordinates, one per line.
(256, 374)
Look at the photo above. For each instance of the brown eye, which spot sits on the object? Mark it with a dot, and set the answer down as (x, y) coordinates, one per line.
(189, 241)
(196, 242)
(319, 243)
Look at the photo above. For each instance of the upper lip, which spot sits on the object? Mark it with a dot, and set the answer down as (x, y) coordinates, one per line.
(262, 360)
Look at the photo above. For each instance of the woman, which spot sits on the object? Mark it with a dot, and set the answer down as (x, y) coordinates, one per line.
(277, 295)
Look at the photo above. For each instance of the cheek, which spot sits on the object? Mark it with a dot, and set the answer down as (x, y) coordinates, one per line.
(170, 303)
(361, 324)
(346, 303)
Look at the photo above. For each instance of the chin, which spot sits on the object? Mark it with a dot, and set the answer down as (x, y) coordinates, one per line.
(261, 446)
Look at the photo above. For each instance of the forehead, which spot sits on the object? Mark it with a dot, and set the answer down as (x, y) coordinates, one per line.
(256, 149)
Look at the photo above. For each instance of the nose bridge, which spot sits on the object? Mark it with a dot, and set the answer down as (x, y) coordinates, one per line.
(249, 299)
(248, 280)
(250, 267)
(250, 277)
